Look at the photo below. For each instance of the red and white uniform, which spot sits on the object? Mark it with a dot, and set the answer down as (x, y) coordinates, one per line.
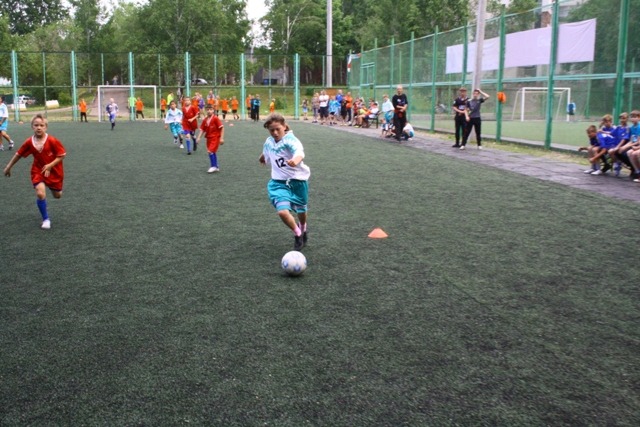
(51, 149)
(211, 128)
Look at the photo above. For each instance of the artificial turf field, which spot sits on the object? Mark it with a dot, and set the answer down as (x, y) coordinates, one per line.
(157, 296)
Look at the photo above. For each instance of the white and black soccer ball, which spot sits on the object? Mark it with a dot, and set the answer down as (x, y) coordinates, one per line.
(294, 263)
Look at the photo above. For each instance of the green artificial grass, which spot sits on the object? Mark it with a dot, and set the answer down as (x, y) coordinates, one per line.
(157, 297)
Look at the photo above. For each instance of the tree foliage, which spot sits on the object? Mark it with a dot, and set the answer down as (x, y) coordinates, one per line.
(26, 16)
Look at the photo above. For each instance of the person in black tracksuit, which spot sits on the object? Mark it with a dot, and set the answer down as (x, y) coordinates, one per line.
(400, 105)
(460, 120)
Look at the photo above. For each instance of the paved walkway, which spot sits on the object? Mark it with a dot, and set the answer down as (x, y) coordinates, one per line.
(566, 173)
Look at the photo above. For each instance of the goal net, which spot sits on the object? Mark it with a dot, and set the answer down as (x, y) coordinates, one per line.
(531, 103)
(121, 95)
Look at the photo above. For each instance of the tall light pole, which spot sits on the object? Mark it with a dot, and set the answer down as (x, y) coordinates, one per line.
(329, 74)
(477, 72)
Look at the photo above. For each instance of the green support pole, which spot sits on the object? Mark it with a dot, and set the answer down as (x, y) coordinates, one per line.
(215, 73)
(630, 91)
(14, 79)
(622, 56)
(392, 62)
(243, 88)
(411, 49)
(270, 96)
(552, 72)
(434, 76)
(375, 66)
(360, 83)
(159, 78)
(503, 50)
(44, 81)
(102, 80)
(187, 74)
(296, 84)
(131, 91)
(74, 86)
(465, 52)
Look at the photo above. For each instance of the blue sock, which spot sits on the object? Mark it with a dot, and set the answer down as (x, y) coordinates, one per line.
(188, 142)
(213, 159)
(42, 207)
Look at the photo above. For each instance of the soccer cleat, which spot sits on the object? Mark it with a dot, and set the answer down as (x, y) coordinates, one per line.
(188, 153)
(606, 168)
(195, 145)
(46, 224)
(298, 243)
(462, 147)
(596, 172)
(212, 169)
(305, 238)
(1, 147)
(479, 147)
(11, 145)
(588, 171)
(455, 146)
(181, 145)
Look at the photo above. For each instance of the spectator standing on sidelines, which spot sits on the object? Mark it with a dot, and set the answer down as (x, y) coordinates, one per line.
(4, 124)
(400, 105)
(459, 118)
(472, 113)
(83, 110)
(139, 108)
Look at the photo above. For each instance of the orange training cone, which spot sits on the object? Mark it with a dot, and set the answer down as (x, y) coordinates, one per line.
(378, 233)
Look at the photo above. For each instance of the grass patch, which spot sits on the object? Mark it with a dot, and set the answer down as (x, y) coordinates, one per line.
(157, 297)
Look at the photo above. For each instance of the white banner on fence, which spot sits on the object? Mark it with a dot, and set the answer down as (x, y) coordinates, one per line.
(576, 43)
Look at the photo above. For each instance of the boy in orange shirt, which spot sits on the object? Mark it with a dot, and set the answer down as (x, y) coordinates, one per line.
(83, 110)
(272, 106)
(224, 107)
(139, 108)
(163, 108)
(234, 108)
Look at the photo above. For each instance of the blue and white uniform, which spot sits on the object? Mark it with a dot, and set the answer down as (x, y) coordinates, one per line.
(112, 110)
(174, 120)
(288, 187)
(4, 114)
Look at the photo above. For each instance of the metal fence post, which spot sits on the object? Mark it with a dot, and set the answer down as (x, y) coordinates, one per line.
(131, 91)
(622, 56)
(503, 49)
(14, 79)
(296, 83)
(434, 76)
(411, 49)
(74, 87)
(243, 89)
(552, 72)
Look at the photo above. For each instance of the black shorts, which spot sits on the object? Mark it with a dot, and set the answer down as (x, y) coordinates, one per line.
(324, 112)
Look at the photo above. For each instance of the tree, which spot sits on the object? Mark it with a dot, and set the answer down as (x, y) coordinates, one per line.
(27, 15)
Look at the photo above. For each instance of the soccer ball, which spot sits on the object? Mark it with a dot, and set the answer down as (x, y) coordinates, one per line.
(294, 263)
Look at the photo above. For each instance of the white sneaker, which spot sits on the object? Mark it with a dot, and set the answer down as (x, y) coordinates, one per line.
(462, 147)
(598, 172)
(46, 224)
(479, 147)
(588, 171)
(181, 145)
(212, 169)
(1, 147)
(11, 145)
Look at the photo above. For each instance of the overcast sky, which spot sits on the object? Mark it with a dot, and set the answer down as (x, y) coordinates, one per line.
(256, 9)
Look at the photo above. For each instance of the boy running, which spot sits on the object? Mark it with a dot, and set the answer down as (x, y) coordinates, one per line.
(288, 188)
(213, 129)
(46, 170)
(173, 121)
(112, 111)
(4, 124)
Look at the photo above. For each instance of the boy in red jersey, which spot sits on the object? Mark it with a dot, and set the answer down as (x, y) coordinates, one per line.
(46, 170)
(189, 123)
(213, 129)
